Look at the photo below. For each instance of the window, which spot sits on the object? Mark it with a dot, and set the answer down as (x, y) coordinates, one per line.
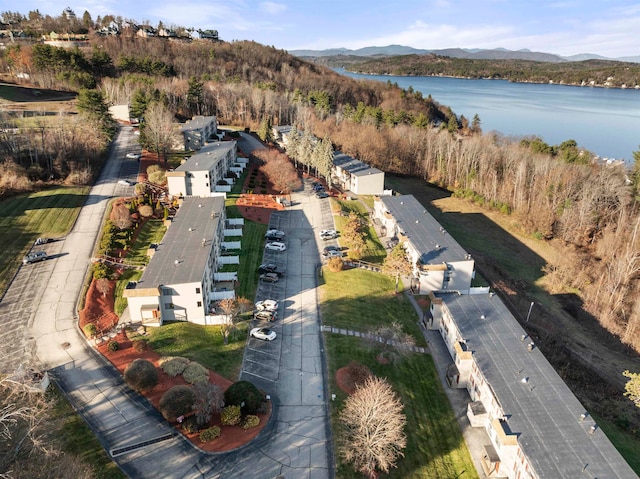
(168, 305)
(166, 291)
(199, 304)
(197, 290)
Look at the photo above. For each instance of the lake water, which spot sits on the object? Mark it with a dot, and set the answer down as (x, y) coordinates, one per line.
(605, 121)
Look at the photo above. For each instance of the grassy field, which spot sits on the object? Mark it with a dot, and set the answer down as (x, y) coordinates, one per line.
(24, 218)
(435, 447)
(374, 252)
(151, 232)
(203, 344)
(367, 303)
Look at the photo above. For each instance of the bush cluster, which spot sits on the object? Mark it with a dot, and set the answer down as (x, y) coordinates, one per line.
(190, 425)
(243, 392)
(141, 375)
(210, 434)
(230, 416)
(139, 345)
(90, 330)
(177, 401)
(250, 421)
(195, 373)
(113, 345)
(173, 365)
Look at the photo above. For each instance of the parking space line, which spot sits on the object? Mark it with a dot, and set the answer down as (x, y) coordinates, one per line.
(258, 376)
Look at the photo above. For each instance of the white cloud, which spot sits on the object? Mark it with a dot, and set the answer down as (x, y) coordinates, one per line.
(273, 8)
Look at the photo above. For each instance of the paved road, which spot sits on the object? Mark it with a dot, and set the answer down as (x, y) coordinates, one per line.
(38, 323)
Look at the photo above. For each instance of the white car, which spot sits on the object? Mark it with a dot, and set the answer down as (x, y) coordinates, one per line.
(125, 183)
(265, 334)
(276, 246)
(267, 305)
(274, 233)
(133, 156)
(328, 232)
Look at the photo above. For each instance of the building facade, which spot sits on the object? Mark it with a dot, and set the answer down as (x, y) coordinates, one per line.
(355, 176)
(198, 131)
(536, 427)
(181, 282)
(439, 262)
(216, 164)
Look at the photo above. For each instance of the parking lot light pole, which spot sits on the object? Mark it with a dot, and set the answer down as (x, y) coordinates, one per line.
(529, 313)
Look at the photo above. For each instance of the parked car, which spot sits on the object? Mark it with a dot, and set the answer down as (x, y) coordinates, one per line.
(328, 249)
(270, 277)
(265, 334)
(265, 315)
(276, 246)
(133, 156)
(328, 234)
(267, 304)
(318, 186)
(267, 268)
(274, 235)
(274, 232)
(41, 241)
(322, 194)
(125, 183)
(34, 257)
(333, 254)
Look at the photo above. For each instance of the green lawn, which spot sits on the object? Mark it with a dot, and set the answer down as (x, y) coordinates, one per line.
(75, 438)
(435, 447)
(203, 344)
(369, 301)
(151, 232)
(374, 251)
(25, 217)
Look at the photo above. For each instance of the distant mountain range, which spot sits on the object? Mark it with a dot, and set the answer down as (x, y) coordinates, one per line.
(473, 53)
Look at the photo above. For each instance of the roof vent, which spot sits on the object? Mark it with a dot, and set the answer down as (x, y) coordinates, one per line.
(417, 221)
(483, 317)
(402, 202)
(530, 346)
(584, 416)
(190, 229)
(523, 337)
(204, 240)
(593, 429)
(524, 380)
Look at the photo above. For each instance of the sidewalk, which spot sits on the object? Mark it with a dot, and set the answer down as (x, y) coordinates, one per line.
(475, 438)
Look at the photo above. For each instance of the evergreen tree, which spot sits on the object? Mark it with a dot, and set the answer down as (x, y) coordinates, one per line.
(265, 132)
(195, 96)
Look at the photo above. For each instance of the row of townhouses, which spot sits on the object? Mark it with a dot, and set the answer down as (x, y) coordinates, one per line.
(536, 428)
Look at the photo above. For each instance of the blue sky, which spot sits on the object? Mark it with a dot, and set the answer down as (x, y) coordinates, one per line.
(606, 27)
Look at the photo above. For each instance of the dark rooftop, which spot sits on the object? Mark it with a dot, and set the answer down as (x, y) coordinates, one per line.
(181, 256)
(353, 166)
(426, 235)
(207, 157)
(540, 408)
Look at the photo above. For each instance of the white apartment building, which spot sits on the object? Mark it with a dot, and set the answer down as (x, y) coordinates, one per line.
(355, 176)
(198, 131)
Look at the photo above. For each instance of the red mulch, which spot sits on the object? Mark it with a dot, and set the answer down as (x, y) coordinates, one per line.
(232, 437)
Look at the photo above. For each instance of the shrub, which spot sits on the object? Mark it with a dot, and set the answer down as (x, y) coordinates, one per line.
(113, 345)
(230, 416)
(141, 375)
(173, 365)
(209, 400)
(145, 211)
(90, 330)
(250, 421)
(243, 392)
(101, 270)
(335, 264)
(139, 345)
(177, 401)
(190, 425)
(358, 373)
(195, 373)
(210, 434)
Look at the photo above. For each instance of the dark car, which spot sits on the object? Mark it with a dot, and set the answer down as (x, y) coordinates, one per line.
(267, 268)
(265, 315)
(322, 194)
(270, 277)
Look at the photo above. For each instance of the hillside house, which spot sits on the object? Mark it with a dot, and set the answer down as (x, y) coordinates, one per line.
(439, 262)
(181, 282)
(198, 132)
(536, 427)
(211, 171)
(353, 175)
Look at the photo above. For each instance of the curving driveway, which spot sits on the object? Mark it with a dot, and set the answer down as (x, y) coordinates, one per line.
(41, 326)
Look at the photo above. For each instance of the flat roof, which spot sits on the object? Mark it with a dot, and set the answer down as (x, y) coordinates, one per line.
(541, 409)
(427, 236)
(180, 257)
(207, 156)
(353, 166)
(197, 123)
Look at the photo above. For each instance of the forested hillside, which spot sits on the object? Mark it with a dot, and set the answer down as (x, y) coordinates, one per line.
(602, 73)
(556, 193)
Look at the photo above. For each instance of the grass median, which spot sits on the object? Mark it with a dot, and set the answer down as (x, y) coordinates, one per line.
(435, 446)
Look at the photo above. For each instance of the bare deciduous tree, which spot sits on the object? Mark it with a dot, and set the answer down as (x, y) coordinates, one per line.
(103, 285)
(392, 342)
(372, 434)
(397, 264)
(121, 216)
(232, 308)
(209, 400)
(159, 133)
